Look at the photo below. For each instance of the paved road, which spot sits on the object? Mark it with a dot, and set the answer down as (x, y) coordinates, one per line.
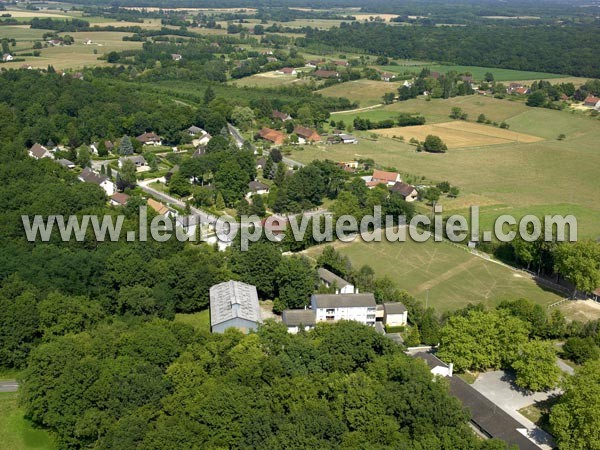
(9, 386)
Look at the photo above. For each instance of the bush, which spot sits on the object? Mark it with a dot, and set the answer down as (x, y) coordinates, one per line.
(579, 350)
(434, 144)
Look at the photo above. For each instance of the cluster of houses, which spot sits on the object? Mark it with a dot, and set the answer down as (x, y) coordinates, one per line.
(393, 182)
(234, 304)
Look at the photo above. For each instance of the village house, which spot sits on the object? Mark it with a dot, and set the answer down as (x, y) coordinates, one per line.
(87, 42)
(6, 57)
(330, 279)
(382, 177)
(278, 115)
(287, 71)
(326, 74)
(272, 136)
(257, 188)
(271, 59)
(332, 307)
(54, 42)
(26, 67)
(395, 315)
(313, 63)
(38, 151)
(175, 56)
(386, 76)
(234, 304)
(260, 163)
(306, 134)
(592, 102)
(66, 163)
(150, 138)
(407, 191)
(89, 176)
(340, 63)
(201, 137)
(298, 319)
(138, 160)
(119, 199)
(347, 139)
(158, 207)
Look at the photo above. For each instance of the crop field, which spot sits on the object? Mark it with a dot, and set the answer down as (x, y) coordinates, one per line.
(453, 276)
(16, 433)
(366, 92)
(268, 80)
(459, 134)
(477, 72)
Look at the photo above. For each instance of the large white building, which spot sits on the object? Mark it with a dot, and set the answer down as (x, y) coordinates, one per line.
(331, 308)
(234, 305)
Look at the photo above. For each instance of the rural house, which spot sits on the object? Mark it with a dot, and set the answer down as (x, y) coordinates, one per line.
(7, 57)
(330, 279)
(306, 134)
(234, 305)
(201, 137)
(158, 207)
(66, 163)
(382, 177)
(272, 136)
(386, 76)
(395, 315)
(407, 191)
(287, 71)
(149, 138)
(313, 63)
(175, 56)
(331, 307)
(326, 74)
(298, 319)
(278, 115)
(119, 199)
(137, 160)
(592, 102)
(257, 188)
(89, 176)
(38, 151)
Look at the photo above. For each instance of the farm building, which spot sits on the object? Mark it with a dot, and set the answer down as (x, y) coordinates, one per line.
(272, 136)
(407, 191)
(234, 305)
(307, 134)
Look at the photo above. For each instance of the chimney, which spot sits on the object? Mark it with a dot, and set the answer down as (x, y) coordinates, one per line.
(450, 369)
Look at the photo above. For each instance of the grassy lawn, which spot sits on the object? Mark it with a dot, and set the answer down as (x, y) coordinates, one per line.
(453, 277)
(199, 320)
(365, 92)
(268, 80)
(17, 433)
(477, 72)
(539, 413)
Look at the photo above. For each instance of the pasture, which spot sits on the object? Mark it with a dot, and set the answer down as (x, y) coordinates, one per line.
(478, 73)
(365, 92)
(452, 276)
(17, 433)
(458, 134)
(268, 80)
(544, 177)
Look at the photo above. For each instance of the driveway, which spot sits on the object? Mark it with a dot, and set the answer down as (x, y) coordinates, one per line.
(498, 386)
(9, 386)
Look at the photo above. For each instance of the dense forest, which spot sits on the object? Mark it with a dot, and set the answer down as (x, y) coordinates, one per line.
(556, 49)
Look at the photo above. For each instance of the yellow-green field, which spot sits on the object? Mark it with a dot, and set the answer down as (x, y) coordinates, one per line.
(453, 276)
(269, 80)
(544, 177)
(365, 92)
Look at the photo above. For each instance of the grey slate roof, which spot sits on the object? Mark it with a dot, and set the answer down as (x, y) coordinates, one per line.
(402, 188)
(195, 130)
(255, 186)
(295, 317)
(344, 300)
(65, 163)
(233, 299)
(485, 415)
(394, 308)
(89, 176)
(331, 278)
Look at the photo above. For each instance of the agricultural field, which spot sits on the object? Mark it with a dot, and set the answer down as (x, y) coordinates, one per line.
(478, 73)
(17, 433)
(453, 276)
(458, 134)
(269, 80)
(549, 176)
(366, 92)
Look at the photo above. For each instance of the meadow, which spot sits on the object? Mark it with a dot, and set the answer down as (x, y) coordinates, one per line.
(17, 433)
(450, 277)
(477, 72)
(366, 92)
(550, 176)
(268, 80)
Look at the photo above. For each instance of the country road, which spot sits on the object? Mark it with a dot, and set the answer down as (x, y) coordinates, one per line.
(9, 386)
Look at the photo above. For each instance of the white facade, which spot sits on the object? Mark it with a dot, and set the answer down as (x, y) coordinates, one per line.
(331, 308)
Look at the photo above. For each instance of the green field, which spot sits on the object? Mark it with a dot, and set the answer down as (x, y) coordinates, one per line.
(453, 277)
(477, 72)
(549, 176)
(16, 433)
(365, 92)
(199, 320)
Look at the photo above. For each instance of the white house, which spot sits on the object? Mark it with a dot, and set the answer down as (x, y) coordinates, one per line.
(201, 137)
(298, 319)
(38, 151)
(286, 71)
(331, 307)
(7, 57)
(330, 279)
(382, 177)
(395, 314)
(89, 176)
(348, 139)
(257, 188)
(138, 160)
